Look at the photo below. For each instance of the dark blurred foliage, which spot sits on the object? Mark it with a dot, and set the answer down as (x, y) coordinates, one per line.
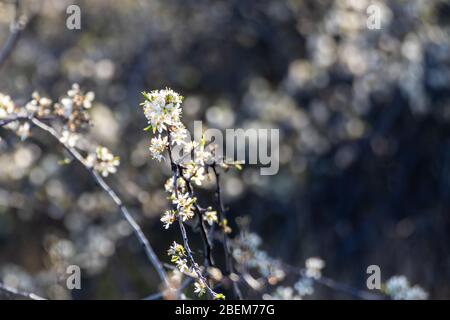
(363, 114)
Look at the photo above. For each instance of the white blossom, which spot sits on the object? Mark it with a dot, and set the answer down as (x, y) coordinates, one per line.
(199, 288)
(157, 146)
(398, 288)
(314, 267)
(103, 161)
(168, 218)
(210, 216)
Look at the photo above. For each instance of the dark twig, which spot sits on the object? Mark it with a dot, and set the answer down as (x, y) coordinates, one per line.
(195, 267)
(17, 25)
(226, 246)
(207, 243)
(179, 291)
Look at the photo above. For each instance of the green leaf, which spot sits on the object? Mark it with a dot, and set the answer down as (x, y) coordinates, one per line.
(219, 296)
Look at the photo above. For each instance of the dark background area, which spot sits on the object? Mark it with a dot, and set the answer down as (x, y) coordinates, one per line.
(364, 135)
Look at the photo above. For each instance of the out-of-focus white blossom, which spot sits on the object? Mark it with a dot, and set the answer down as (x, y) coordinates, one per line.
(282, 293)
(246, 251)
(398, 288)
(7, 106)
(69, 138)
(103, 161)
(73, 108)
(304, 286)
(314, 267)
(210, 216)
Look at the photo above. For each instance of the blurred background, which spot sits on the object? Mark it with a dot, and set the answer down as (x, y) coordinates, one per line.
(364, 119)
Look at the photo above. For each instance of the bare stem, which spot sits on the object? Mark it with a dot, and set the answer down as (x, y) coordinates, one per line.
(17, 25)
(9, 292)
(226, 246)
(123, 209)
(206, 240)
(195, 267)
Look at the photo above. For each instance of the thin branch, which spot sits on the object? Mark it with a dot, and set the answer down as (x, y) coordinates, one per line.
(195, 267)
(16, 28)
(6, 121)
(179, 291)
(334, 285)
(207, 243)
(125, 213)
(10, 292)
(226, 246)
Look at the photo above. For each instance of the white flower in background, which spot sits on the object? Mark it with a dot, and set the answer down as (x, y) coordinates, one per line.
(73, 108)
(181, 185)
(246, 251)
(23, 131)
(39, 106)
(168, 218)
(199, 288)
(67, 107)
(282, 293)
(76, 96)
(210, 216)
(314, 267)
(103, 161)
(157, 146)
(398, 288)
(191, 145)
(69, 138)
(7, 106)
(202, 156)
(304, 286)
(416, 293)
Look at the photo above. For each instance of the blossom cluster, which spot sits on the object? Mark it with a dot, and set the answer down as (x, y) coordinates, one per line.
(398, 288)
(178, 255)
(71, 110)
(103, 161)
(246, 251)
(8, 110)
(163, 111)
